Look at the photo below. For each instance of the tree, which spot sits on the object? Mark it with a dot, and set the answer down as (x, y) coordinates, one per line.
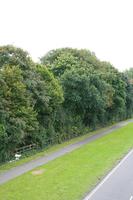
(49, 102)
(117, 110)
(129, 93)
(49, 96)
(13, 56)
(85, 94)
(17, 115)
(129, 74)
(43, 89)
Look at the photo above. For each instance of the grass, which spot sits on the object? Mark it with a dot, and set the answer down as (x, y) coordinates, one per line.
(6, 166)
(72, 175)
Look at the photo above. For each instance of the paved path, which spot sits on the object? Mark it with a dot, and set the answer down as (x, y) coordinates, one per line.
(17, 171)
(118, 184)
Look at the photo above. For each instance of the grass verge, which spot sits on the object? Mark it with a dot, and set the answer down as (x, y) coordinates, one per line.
(72, 175)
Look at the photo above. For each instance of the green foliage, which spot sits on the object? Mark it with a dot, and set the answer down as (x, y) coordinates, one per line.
(16, 112)
(70, 91)
(117, 109)
(48, 96)
(13, 56)
(86, 94)
(92, 89)
(129, 74)
(3, 143)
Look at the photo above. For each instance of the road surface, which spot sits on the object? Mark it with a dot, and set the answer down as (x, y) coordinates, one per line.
(17, 171)
(118, 184)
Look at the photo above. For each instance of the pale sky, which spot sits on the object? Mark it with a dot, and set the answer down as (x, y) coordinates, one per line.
(102, 26)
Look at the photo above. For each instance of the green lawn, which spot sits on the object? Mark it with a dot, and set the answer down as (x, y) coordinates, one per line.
(71, 176)
(50, 149)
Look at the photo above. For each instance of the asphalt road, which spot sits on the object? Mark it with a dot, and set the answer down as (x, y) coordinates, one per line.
(118, 184)
(17, 171)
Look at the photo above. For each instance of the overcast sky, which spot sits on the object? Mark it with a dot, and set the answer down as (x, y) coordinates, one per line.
(102, 26)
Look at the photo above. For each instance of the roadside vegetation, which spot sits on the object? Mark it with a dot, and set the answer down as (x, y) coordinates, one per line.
(74, 174)
(57, 99)
(37, 153)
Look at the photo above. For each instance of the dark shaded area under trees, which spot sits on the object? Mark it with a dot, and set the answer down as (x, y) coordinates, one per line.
(68, 93)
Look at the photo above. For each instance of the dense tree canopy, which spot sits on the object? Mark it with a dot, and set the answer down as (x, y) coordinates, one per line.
(17, 117)
(13, 56)
(129, 74)
(58, 99)
(105, 83)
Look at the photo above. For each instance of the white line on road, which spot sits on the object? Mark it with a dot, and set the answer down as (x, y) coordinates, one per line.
(131, 198)
(108, 176)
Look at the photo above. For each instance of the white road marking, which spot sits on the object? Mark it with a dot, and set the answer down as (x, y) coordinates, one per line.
(108, 176)
(131, 198)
